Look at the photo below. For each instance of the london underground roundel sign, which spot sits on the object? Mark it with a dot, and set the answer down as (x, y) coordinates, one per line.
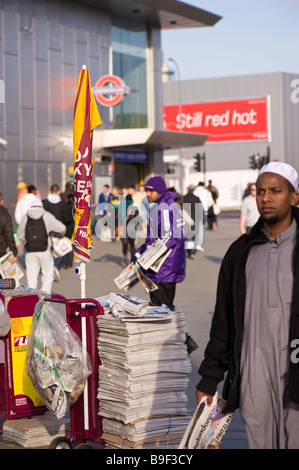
(110, 90)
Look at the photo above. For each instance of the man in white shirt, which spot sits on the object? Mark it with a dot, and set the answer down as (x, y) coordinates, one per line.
(24, 204)
(206, 199)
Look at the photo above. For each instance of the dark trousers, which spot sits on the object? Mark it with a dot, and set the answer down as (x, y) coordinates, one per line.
(164, 294)
(126, 243)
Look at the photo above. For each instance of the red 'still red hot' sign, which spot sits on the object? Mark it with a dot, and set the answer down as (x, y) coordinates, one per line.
(224, 121)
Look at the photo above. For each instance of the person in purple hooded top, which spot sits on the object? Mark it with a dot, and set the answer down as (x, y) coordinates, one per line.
(164, 218)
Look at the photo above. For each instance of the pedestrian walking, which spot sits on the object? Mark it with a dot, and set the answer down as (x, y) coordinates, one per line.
(206, 199)
(105, 198)
(115, 202)
(34, 230)
(192, 206)
(249, 211)
(164, 218)
(128, 233)
(7, 241)
(53, 203)
(70, 225)
(22, 189)
(68, 189)
(255, 328)
(212, 216)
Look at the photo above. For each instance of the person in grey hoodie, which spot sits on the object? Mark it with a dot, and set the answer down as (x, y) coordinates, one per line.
(42, 260)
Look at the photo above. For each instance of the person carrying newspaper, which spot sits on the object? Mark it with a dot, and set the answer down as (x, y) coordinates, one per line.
(255, 328)
(165, 219)
(34, 230)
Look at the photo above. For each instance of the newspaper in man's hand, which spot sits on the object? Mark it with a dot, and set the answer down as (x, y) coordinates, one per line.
(8, 269)
(148, 284)
(207, 426)
(153, 253)
(128, 277)
(131, 275)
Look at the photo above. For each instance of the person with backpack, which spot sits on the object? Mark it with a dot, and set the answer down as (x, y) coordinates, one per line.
(58, 207)
(34, 230)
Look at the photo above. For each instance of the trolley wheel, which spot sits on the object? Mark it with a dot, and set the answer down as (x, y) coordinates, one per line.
(83, 446)
(61, 443)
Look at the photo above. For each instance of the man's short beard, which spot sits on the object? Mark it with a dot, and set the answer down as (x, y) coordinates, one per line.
(274, 219)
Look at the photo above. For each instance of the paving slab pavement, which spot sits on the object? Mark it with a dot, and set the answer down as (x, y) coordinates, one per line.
(195, 296)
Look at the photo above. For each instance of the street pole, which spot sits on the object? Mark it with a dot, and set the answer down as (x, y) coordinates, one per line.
(180, 112)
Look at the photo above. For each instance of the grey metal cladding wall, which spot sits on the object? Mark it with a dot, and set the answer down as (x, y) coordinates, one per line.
(290, 118)
(229, 156)
(43, 44)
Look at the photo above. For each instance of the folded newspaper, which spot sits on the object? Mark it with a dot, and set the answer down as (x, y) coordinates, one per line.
(128, 277)
(120, 303)
(133, 309)
(207, 426)
(131, 275)
(8, 269)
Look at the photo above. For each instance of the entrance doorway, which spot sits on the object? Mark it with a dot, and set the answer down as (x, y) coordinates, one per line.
(127, 174)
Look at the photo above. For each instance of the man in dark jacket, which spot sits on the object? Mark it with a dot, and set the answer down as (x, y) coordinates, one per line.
(255, 327)
(54, 204)
(164, 218)
(6, 233)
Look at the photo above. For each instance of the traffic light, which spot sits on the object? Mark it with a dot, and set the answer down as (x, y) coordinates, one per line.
(255, 162)
(252, 162)
(197, 162)
(264, 160)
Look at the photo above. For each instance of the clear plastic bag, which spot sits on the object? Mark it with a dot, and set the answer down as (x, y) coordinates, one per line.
(57, 363)
(5, 320)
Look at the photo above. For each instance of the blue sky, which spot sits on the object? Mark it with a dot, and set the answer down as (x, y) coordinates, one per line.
(253, 36)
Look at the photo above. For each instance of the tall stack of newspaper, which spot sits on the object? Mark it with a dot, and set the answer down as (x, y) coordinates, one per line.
(143, 379)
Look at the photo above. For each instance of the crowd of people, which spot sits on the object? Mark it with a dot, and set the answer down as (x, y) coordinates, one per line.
(255, 327)
(37, 221)
(119, 206)
(253, 341)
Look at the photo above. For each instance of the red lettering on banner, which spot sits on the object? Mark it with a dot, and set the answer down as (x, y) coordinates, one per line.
(223, 121)
(20, 341)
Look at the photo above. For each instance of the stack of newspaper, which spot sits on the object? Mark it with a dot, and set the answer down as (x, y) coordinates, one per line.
(143, 379)
(35, 432)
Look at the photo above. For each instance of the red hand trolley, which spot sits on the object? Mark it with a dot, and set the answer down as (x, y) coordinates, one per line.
(86, 424)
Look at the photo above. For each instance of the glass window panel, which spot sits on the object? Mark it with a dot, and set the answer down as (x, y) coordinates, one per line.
(129, 63)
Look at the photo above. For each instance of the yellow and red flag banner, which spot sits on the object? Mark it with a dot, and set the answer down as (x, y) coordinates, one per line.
(86, 119)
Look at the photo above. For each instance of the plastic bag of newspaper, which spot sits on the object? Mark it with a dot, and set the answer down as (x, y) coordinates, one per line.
(57, 363)
(5, 320)
(207, 426)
